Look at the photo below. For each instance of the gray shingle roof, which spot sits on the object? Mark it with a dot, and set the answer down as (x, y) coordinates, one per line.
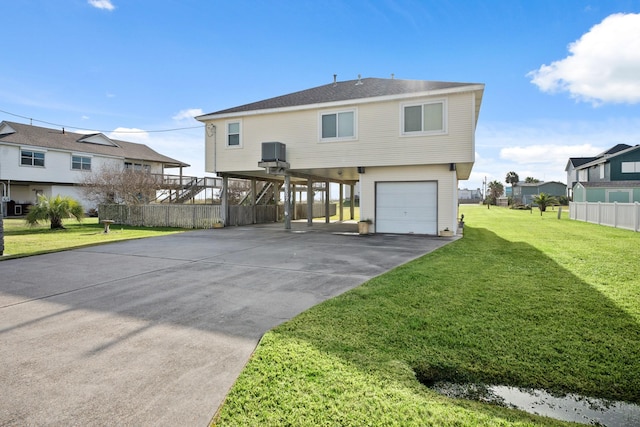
(57, 139)
(344, 91)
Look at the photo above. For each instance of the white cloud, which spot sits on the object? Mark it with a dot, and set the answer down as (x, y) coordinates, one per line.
(102, 4)
(187, 114)
(603, 65)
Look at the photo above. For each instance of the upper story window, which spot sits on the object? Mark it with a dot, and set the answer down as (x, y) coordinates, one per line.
(601, 170)
(424, 118)
(630, 167)
(338, 125)
(81, 163)
(31, 158)
(234, 134)
(583, 175)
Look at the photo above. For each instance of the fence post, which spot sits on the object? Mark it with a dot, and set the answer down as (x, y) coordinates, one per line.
(636, 217)
(615, 214)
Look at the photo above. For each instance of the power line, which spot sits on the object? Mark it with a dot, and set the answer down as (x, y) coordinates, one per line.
(98, 130)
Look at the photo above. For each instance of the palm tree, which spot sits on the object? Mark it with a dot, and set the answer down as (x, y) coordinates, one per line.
(512, 178)
(54, 209)
(531, 180)
(496, 189)
(543, 200)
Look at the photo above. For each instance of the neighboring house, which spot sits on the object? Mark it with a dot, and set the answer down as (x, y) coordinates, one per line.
(469, 196)
(576, 163)
(525, 192)
(407, 142)
(612, 176)
(36, 160)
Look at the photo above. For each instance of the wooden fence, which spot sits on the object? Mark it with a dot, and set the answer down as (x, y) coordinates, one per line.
(201, 216)
(619, 215)
(165, 215)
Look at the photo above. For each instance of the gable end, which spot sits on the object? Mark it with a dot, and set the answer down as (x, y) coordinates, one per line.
(98, 138)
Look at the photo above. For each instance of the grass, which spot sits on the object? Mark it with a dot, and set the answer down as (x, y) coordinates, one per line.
(21, 239)
(522, 300)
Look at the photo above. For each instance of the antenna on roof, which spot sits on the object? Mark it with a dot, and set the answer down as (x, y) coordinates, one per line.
(359, 82)
(393, 76)
(335, 77)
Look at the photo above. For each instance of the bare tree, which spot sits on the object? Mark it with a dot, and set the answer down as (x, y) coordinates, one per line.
(113, 184)
(238, 189)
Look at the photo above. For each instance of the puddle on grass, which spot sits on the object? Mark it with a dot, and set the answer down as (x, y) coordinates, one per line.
(575, 408)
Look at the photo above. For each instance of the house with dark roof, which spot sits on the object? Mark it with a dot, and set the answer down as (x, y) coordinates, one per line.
(36, 160)
(611, 176)
(406, 142)
(575, 163)
(525, 192)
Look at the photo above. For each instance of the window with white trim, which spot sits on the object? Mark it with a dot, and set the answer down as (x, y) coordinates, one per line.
(81, 163)
(137, 166)
(630, 167)
(424, 118)
(31, 158)
(583, 175)
(601, 166)
(338, 125)
(234, 134)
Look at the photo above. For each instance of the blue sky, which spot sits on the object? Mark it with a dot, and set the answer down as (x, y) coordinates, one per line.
(562, 76)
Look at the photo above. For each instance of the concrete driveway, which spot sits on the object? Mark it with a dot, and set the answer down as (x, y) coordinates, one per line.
(156, 331)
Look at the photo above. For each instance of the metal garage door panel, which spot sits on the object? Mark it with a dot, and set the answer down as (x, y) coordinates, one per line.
(407, 207)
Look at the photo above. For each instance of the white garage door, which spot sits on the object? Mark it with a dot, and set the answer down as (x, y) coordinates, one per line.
(407, 207)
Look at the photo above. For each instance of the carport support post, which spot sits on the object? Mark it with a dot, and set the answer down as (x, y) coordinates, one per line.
(352, 200)
(309, 202)
(340, 202)
(287, 202)
(254, 188)
(224, 202)
(326, 202)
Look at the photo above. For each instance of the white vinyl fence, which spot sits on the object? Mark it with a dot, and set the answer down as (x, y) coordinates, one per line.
(162, 215)
(619, 215)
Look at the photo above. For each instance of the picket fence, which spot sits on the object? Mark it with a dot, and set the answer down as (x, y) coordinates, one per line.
(165, 215)
(619, 215)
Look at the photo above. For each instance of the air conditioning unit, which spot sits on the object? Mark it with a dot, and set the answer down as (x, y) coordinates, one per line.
(274, 152)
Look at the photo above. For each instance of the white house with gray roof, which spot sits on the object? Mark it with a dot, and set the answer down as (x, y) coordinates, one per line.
(407, 142)
(36, 160)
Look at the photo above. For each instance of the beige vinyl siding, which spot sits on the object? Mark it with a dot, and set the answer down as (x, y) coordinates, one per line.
(379, 139)
(447, 189)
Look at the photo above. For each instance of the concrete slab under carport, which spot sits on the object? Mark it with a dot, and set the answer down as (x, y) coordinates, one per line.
(155, 331)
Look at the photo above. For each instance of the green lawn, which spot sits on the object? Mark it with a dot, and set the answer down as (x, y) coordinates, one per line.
(521, 300)
(21, 239)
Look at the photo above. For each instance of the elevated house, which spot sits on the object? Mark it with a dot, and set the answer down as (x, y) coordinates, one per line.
(36, 160)
(612, 176)
(524, 192)
(406, 142)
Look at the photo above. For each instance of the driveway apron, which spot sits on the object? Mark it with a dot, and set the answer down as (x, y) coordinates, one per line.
(156, 331)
